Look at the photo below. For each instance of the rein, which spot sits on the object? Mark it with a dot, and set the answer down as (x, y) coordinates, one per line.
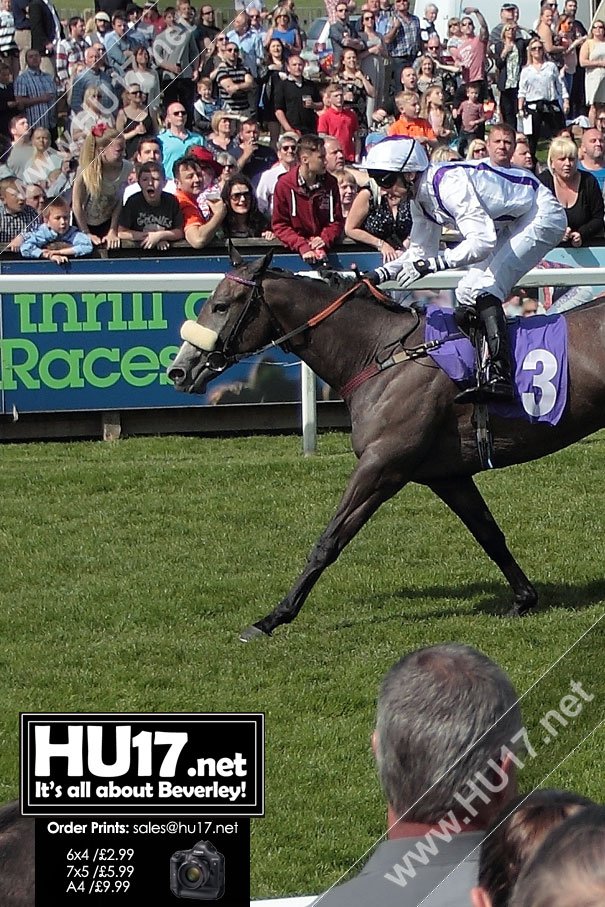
(284, 338)
(223, 360)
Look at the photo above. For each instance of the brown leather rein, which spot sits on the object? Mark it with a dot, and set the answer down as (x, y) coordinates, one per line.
(371, 370)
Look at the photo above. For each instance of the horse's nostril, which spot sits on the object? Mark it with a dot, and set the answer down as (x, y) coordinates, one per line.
(177, 375)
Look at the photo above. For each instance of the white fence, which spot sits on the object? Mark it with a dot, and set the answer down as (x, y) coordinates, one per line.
(206, 282)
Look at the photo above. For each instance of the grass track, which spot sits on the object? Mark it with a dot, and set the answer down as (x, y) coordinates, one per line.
(130, 568)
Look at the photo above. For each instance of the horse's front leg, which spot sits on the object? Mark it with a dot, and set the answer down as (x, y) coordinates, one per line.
(371, 484)
(463, 497)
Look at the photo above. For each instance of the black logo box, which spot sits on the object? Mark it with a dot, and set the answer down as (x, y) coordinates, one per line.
(137, 764)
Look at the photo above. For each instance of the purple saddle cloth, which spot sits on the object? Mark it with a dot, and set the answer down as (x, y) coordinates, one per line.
(539, 353)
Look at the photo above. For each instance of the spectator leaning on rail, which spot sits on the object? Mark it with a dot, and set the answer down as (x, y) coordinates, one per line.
(56, 229)
(199, 230)
(500, 251)
(447, 721)
(151, 217)
(307, 215)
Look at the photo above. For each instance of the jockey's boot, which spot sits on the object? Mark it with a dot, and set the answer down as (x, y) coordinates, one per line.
(498, 383)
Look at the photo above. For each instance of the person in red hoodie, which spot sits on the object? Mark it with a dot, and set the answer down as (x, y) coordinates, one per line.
(339, 121)
(307, 216)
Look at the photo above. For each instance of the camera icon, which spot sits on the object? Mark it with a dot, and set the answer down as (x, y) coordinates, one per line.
(199, 873)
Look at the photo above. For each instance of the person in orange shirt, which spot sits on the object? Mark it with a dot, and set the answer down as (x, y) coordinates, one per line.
(409, 123)
(188, 180)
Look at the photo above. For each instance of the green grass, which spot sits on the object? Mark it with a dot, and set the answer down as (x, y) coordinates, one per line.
(130, 568)
(307, 11)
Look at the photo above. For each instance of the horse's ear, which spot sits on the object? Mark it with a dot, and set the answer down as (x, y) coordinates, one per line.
(236, 258)
(258, 267)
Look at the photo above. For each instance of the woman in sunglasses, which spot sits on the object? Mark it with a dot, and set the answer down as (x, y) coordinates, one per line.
(135, 119)
(541, 94)
(243, 219)
(285, 30)
(380, 215)
(592, 59)
(373, 62)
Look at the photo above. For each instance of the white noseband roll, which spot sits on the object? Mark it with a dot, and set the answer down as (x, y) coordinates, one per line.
(199, 336)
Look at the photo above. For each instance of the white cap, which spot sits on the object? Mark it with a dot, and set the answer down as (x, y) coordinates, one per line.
(102, 15)
(397, 154)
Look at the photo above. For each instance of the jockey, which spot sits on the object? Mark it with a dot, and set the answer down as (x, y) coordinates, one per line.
(508, 221)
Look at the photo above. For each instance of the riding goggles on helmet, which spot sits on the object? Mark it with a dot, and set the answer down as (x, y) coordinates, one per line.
(386, 179)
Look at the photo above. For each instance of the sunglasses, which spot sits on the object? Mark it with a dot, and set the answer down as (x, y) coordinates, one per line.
(386, 179)
(288, 147)
(240, 196)
(179, 113)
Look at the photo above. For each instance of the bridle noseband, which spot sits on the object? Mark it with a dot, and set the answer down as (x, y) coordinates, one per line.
(218, 361)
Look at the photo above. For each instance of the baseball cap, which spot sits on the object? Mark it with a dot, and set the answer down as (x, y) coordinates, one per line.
(102, 16)
(204, 156)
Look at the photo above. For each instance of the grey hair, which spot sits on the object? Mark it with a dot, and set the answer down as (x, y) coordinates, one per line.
(431, 6)
(568, 870)
(225, 159)
(286, 137)
(443, 713)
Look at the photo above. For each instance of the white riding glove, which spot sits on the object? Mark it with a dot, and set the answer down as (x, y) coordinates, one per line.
(412, 271)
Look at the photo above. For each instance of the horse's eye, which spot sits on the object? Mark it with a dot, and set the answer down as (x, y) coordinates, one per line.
(220, 307)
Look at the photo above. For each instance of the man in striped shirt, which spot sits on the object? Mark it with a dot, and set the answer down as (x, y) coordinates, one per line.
(36, 92)
(70, 51)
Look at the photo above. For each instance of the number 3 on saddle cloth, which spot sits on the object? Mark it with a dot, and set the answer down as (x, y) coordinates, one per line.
(539, 353)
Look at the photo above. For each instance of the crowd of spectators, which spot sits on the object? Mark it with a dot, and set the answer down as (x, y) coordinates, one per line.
(122, 119)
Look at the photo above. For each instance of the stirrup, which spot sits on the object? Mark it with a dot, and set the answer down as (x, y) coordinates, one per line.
(491, 392)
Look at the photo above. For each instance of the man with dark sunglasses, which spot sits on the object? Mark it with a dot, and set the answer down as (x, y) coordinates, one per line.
(286, 159)
(344, 34)
(508, 222)
(176, 139)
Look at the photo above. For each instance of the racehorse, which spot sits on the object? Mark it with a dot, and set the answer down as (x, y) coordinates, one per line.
(405, 424)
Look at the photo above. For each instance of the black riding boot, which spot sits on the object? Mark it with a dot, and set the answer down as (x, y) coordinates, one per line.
(492, 324)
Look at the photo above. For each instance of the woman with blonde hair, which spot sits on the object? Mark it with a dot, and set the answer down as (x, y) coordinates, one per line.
(92, 114)
(477, 150)
(433, 108)
(428, 76)
(284, 28)
(222, 136)
(348, 187)
(99, 186)
(577, 190)
(592, 59)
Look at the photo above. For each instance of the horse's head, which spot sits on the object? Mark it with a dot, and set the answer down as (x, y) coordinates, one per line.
(231, 323)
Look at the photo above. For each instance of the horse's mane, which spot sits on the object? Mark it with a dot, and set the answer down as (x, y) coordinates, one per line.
(339, 283)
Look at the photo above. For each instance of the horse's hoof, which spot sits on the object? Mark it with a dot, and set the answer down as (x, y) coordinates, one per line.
(251, 633)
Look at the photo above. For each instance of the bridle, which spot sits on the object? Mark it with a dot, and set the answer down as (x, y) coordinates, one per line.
(219, 360)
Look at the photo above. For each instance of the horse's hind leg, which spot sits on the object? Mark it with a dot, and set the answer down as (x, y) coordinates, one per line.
(463, 497)
(371, 484)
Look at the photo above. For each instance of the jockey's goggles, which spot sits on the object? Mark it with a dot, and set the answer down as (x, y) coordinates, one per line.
(386, 179)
